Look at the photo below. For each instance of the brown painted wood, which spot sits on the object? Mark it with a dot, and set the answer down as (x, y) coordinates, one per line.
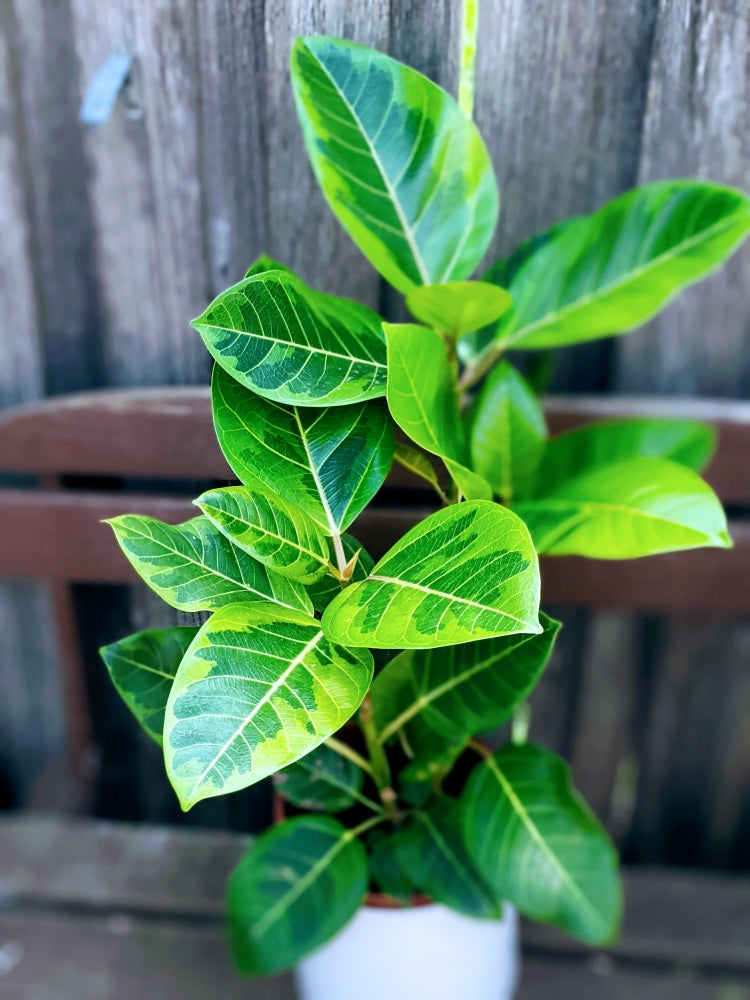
(71, 544)
(168, 432)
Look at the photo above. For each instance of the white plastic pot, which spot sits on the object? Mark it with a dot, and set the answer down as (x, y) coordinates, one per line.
(422, 953)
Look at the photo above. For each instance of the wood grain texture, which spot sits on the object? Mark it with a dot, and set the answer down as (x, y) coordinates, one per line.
(106, 898)
(144, 192)
(697, 123)
(302, 230)
(561, 86)
(32, 729)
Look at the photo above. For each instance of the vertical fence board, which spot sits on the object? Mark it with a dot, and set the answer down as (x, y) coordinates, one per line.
(31, 718)
(233, 82)
(697, 123)
(560, 91)
(302, 230)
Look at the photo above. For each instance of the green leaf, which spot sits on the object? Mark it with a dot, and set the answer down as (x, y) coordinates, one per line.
(610, 441)
(537, 844)
(386, 871)
(294, 345)
(323, 780)
(611, 271)
(404, 170)
(466, 572)
(274, 532)
(259, 687)
(324, 591)
(142, 667)
(329, 463)
(265, 263)
(423, 401)
(416, 462)
(458, 307)
(439, 698)
(432, 850)
(502, 274)
(298, 885)
(193, 567)
(506, 431)
(629, 509)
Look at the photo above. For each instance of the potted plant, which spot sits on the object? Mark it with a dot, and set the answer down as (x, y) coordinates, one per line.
(364, 686)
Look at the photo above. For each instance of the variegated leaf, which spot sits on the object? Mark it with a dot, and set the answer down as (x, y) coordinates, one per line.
(142, 668)
(294, 345)
(274, 532)
(539, 846)
(423, 401)
(193, 567)
(329, 463)
(403, 168)
(466, 572)
(294, 889)
(259, 687)
(438, 698)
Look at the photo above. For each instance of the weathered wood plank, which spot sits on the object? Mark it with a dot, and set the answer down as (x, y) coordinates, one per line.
(31, 717)
(602, 750)
(72, 544)
(234, 154)
(670, 916)
(303, 232)
(694, 769)
(69, 294)
(560, 94)
(144, 190)
(117, 958)
(697, 123)
(694, 678)
(52, 957)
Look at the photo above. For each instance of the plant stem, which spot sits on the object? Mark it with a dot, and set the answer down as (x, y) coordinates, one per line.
(519, 730)
(363, 827)
(476, 371)
(338, 547)
(344, 750)
(479, 748)
(469, 32)
(381, 772)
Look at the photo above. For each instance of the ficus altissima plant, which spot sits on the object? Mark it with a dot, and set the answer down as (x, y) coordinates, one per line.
(363, 685)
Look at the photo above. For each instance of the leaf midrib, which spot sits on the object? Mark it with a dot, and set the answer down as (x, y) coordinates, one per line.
(266, 532)
(584, 507)
(425, 700)
(450, 856)
(450, 597)
(300, 886)
(537, 836)
(553, 317)
(277, 684)
(295, 344)
(409, 236)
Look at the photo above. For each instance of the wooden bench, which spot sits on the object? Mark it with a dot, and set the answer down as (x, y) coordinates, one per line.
(94, 910)
(86, 450)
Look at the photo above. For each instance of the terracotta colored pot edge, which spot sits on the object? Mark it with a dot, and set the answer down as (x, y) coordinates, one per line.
(375, 900)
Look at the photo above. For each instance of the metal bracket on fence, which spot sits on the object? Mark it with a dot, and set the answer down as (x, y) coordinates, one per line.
(112, 78)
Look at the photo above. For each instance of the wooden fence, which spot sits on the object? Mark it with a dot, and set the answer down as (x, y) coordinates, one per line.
(113, 238)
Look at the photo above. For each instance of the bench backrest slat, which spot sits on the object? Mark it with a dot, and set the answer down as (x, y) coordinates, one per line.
(168, 433)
